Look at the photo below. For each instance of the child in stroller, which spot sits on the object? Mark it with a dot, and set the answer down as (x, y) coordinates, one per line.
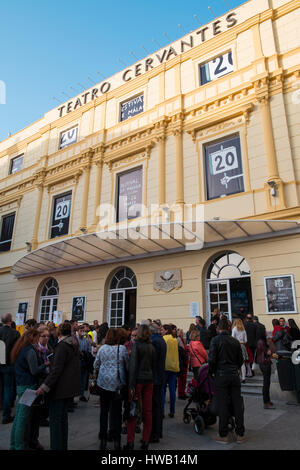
(201, 393)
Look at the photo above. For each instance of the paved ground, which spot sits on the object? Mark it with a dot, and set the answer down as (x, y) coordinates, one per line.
(265, 429)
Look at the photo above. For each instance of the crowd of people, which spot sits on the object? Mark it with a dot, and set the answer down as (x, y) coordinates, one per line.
(130, 370)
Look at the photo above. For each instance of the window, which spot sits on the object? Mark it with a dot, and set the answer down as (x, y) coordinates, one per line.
(216, 68)
(132, 107)
(7, 228)
(16, 164)
(223, 167)
(68, 137)
(61, 215)
(129, 191)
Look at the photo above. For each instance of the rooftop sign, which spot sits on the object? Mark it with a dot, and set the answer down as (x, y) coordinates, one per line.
(163, 55)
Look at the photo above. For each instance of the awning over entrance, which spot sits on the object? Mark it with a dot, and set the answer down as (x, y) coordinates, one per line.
(122, 245)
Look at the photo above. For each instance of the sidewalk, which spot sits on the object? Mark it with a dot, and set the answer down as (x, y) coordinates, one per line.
(265, 429)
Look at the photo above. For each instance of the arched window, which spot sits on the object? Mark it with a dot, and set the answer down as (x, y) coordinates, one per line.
(123, 279)
(48, 300)
(228, 266)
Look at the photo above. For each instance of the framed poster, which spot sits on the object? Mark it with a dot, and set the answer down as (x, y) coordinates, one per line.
(130, 195)
(216, 68)
(132, 107)
(61, 215)
(68, 137)
(280, 294)
(223, 168)
(78, 308)
(23, 309)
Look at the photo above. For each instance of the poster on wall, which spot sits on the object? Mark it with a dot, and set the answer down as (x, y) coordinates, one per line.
(132, 107)
(130, 195)
(78, 308)
(223, 168)
(280, 294)
(23, 309)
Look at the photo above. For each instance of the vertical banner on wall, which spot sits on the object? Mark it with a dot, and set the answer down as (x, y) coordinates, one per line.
(78, 308)
(280, 294)
(23, 309)
(130, 186)
(223, 167)
(57, 317)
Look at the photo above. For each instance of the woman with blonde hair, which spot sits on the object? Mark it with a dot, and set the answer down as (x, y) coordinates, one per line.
(239, 333)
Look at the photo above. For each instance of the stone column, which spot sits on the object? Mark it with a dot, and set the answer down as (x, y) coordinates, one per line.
(85, 195)
(34, 240)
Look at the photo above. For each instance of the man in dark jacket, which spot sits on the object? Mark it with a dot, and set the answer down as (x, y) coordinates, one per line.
(251, 330)
(212, 329)
(159, 378)
(225, 360)
(62, 384)
(9, 336)
(204, 335)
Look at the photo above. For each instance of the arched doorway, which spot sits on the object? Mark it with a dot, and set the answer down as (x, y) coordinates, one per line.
(122, 299)
(48, 300)
(228, 286)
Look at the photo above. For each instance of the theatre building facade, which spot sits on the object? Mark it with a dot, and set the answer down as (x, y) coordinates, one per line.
(168, 190)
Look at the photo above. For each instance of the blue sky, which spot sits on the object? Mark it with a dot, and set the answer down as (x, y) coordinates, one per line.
(46, 46)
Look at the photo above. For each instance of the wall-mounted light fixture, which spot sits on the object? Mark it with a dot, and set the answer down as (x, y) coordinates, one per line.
(28, 246)
(273, 188)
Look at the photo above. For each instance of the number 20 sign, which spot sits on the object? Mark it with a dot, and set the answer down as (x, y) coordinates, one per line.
(224, 160)
(62, 210)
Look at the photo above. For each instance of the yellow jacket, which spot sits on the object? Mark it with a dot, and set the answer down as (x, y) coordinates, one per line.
(172, 357)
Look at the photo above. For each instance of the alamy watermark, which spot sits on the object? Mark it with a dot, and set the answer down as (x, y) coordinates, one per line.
(2, 92)
(296, 354)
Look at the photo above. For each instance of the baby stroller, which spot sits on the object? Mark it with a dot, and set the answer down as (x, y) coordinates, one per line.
(198, 408)
(204, 412)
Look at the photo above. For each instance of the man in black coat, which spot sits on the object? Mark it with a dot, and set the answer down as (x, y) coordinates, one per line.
(225, 360)
(204, 335)
(159, 378)
(251, 330)
(9, 336)
(62, 384)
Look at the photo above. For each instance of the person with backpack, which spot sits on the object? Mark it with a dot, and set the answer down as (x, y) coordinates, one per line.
(198, 355)
(8, 337)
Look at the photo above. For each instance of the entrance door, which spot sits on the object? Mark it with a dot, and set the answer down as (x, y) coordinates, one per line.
(228, 286)
(122, 299)
(219, 297)
(48, 305)
(116, 311)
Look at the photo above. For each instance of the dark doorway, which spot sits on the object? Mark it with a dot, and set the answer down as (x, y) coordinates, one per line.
(130, 308)
(241, 296)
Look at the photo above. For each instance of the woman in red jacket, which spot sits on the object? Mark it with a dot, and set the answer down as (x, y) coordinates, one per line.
(198, 355)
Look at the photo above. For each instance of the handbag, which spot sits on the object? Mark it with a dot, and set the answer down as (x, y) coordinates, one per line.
(94, 388)
(254, 366)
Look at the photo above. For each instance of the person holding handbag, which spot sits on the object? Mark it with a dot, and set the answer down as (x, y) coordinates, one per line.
(110, 368)
(141, 380)
(198, 355)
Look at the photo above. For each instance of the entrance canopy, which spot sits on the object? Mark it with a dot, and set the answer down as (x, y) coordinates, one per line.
(127, 244)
